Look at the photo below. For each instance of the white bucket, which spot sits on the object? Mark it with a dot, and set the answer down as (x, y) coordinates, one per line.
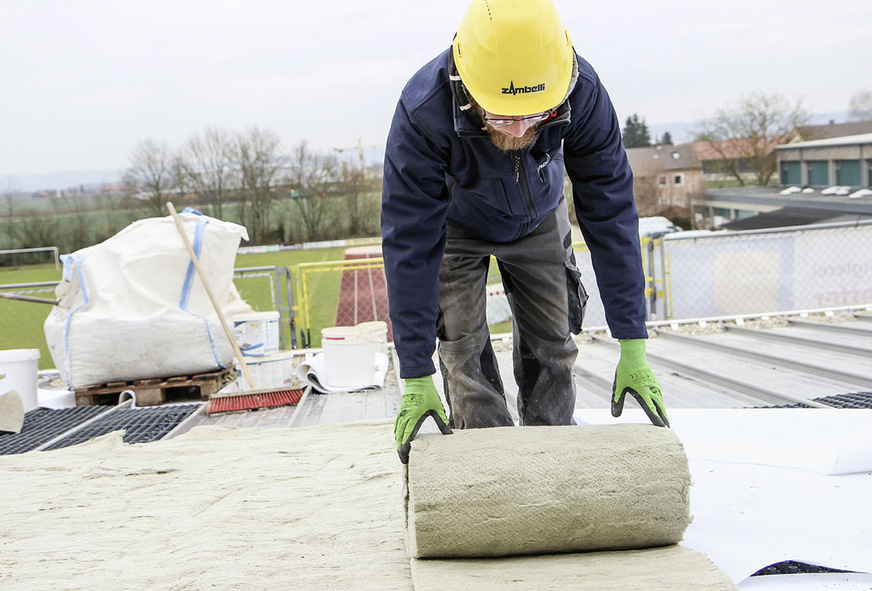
(349, 357)
(268, 372)
(376, 331)
(21, 367)
(257, 333)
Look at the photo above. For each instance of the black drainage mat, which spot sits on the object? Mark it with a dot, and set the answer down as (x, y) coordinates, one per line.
(141, 425)
(41, 425)
(792, 567)
(851, 400)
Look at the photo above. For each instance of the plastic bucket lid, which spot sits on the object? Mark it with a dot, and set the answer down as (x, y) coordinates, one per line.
(349, 357)
(347, 335)
(19, 355)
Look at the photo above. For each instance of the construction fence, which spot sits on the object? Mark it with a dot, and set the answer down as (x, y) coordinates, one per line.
(688, 276)
(691, 276)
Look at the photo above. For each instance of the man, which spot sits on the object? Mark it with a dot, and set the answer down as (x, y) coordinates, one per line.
(474, 167)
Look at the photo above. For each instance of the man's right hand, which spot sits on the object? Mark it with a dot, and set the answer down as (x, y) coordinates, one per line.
(420, 400)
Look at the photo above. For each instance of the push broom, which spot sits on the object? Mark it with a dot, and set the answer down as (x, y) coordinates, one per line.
(253, 398)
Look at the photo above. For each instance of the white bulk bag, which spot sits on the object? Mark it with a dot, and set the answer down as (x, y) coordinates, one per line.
(133, 307)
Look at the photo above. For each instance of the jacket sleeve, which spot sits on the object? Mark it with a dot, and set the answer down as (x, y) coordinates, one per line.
(602, 189)
(414, 207)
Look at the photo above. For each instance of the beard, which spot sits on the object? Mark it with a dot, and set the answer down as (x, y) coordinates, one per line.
(504, 141)
(510, 143)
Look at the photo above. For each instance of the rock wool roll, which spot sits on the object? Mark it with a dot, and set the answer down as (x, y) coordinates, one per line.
(534, 490)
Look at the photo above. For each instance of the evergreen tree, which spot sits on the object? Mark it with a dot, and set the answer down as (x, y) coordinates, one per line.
(635, 134)
(667, 139)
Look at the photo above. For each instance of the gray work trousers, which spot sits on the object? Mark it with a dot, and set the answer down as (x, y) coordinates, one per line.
(547, 300)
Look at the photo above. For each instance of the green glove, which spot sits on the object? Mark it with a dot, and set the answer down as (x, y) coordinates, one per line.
(634, 376)
(420, 400)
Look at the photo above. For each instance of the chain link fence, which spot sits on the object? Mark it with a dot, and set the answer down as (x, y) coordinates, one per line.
(757, 271)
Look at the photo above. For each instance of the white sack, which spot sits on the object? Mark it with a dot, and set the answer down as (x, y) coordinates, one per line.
(133, 307)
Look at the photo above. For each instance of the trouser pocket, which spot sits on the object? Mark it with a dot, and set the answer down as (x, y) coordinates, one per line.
(577, 295)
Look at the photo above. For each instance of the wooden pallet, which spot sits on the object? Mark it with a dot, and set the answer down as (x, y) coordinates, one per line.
(154, 391)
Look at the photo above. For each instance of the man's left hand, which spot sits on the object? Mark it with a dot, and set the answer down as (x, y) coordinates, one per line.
(634, 376)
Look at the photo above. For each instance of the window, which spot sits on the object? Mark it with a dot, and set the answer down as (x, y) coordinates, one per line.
(661, 180)
(678, 179)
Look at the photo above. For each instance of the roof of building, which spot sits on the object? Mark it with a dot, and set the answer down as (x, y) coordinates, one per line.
(830, 130)
(847, 140)
(792, 216)
(652, 160)
(770, 195)
(731, 149)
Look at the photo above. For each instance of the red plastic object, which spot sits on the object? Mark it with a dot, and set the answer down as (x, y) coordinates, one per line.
(253, 400)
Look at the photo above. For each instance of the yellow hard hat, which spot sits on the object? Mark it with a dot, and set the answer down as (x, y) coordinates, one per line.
(514, 56)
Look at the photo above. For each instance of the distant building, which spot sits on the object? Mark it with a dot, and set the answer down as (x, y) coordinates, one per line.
(667, 178)
(838, 161)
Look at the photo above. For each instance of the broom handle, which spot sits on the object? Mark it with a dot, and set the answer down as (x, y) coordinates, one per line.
(196, 261)
(23, 298)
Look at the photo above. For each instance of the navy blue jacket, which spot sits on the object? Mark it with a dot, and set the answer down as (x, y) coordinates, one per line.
(440, 164)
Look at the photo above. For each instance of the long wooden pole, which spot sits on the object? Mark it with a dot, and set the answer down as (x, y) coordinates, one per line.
(202, 274)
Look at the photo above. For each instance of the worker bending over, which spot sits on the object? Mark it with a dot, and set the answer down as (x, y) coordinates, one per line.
(474, 168)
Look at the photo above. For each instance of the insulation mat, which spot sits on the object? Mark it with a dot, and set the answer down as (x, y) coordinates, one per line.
(533, 490)
(308, 508)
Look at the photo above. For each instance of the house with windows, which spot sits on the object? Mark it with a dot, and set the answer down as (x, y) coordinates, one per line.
(832, 162)
(667, 178)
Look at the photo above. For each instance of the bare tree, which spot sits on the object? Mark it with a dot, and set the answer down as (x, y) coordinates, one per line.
(37, 230)
(206, 163)
(748, 133)
(152, 174)
(309, 176)
(9, 197)
(260, 162)
(353, 189)
(861, 106)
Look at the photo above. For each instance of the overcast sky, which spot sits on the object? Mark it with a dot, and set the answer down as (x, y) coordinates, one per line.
(85, 80)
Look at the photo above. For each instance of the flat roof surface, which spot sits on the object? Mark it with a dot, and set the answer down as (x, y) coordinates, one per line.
(846, 140)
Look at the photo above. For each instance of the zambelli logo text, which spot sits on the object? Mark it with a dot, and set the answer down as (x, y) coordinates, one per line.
(523, 89)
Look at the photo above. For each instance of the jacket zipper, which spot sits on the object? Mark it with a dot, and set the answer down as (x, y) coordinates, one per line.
(542, 167)
(521, 179)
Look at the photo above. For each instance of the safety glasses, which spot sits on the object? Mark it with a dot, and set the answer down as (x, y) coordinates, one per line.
(497, 120)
